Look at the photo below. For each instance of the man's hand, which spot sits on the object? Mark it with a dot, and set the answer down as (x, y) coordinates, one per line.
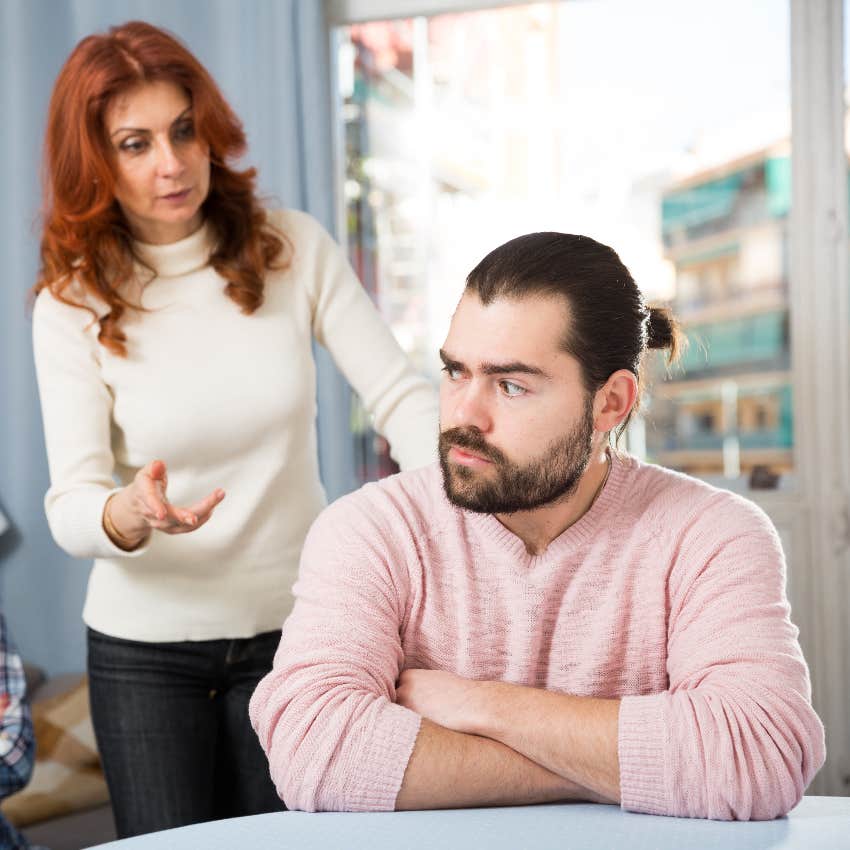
(440, 696)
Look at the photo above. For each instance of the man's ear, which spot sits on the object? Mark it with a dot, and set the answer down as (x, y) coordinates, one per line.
(614, 400)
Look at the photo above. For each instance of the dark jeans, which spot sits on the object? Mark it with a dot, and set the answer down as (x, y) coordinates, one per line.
(171, 721)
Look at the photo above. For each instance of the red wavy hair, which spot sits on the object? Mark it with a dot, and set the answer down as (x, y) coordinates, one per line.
(86, 236)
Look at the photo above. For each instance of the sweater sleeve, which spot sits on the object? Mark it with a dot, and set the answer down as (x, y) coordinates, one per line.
(76, 408)
(402, 404)
(325, 715)
(735, 735)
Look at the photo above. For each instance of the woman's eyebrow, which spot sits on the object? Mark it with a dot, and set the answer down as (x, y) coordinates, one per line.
(145, 129)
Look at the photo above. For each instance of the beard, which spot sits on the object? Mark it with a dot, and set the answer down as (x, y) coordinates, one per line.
(507, 487)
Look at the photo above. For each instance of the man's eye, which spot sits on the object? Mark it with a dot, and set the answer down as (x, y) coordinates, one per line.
(452, 372)
(511, 389)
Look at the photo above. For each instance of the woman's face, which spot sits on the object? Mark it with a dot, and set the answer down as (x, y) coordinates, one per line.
(162, 168)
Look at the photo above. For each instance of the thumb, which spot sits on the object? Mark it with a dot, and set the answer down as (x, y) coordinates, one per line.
(159, 475)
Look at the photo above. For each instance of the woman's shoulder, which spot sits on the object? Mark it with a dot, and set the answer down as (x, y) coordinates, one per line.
(296, 225)
(69, 306)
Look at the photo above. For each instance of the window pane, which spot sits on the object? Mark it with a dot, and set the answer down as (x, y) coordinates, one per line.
(660, 128)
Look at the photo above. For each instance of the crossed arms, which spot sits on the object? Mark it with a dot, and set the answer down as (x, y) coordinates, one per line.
(491, 743)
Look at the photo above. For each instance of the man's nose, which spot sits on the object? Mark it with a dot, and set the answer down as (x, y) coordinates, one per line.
(472, 408)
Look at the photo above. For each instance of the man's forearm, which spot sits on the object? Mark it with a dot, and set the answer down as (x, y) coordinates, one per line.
(450, 769)
(574, 737)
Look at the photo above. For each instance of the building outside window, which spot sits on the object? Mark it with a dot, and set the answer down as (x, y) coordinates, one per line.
(728, 411)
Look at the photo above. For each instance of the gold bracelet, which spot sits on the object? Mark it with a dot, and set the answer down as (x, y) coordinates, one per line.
(113, 533)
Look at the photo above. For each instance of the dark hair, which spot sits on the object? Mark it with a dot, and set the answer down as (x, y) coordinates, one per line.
(610, 325)
(86, 237)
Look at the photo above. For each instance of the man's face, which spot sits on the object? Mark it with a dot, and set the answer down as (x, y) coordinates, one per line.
(516, 423)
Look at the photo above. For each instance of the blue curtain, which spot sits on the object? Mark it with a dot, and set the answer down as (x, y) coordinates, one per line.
(271, 59)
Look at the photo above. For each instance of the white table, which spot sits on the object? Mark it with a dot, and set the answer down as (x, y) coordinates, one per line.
(818, 822)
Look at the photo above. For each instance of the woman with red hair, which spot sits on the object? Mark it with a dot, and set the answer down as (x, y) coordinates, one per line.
(172, 334)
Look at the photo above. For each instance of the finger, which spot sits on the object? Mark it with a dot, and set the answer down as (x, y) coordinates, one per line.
(192, 515)
(183, 528)
(158, 474)
(203, 507)
(156, 470)
(153, 503)
(179, 516)
(186, 517)
(171, 522)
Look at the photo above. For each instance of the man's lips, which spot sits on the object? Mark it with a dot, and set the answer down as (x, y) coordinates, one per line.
(467, 458)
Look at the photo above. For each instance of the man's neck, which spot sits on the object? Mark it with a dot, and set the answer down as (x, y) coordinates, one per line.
(538, 528)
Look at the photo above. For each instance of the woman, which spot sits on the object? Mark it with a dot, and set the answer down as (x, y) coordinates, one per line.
(172, 334)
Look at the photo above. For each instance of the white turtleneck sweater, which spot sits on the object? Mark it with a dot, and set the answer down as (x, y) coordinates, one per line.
(226, 400)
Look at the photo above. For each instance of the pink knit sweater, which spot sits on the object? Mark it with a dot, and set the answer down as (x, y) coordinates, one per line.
(667, 593)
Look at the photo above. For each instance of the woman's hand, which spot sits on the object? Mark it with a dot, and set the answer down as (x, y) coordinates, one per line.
(130, 514)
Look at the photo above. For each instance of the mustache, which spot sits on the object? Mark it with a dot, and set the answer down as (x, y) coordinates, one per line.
(472, 439)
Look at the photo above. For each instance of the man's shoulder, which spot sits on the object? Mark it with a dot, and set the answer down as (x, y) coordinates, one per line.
(408, 503)
(677, 499)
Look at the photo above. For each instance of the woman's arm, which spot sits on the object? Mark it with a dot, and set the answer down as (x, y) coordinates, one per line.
(76, 408)
(402, 403)
(88, 515)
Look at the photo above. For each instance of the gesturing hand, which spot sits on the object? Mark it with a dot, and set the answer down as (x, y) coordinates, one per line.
(131, 513)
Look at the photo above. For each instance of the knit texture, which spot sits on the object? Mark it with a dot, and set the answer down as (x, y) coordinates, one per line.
(667, 592)
(226, 400)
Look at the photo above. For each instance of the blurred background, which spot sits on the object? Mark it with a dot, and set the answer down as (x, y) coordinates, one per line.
(704, 141)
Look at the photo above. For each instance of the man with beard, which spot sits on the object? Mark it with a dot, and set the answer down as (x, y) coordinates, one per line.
(542, 617)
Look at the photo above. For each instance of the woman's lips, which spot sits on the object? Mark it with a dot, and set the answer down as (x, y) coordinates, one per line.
(466, 458)
(176, 197)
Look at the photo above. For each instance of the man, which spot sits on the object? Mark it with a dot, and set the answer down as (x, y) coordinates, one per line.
(542, 618)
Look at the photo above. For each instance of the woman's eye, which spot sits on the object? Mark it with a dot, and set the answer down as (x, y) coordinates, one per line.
(185, 131)
(133, 145)
(511, 389)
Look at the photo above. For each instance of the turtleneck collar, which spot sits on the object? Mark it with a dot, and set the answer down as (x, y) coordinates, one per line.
(181, 257)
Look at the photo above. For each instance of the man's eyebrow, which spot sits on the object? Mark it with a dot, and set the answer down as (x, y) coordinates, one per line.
(448, 360)
(180, 117)
(512, 367)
